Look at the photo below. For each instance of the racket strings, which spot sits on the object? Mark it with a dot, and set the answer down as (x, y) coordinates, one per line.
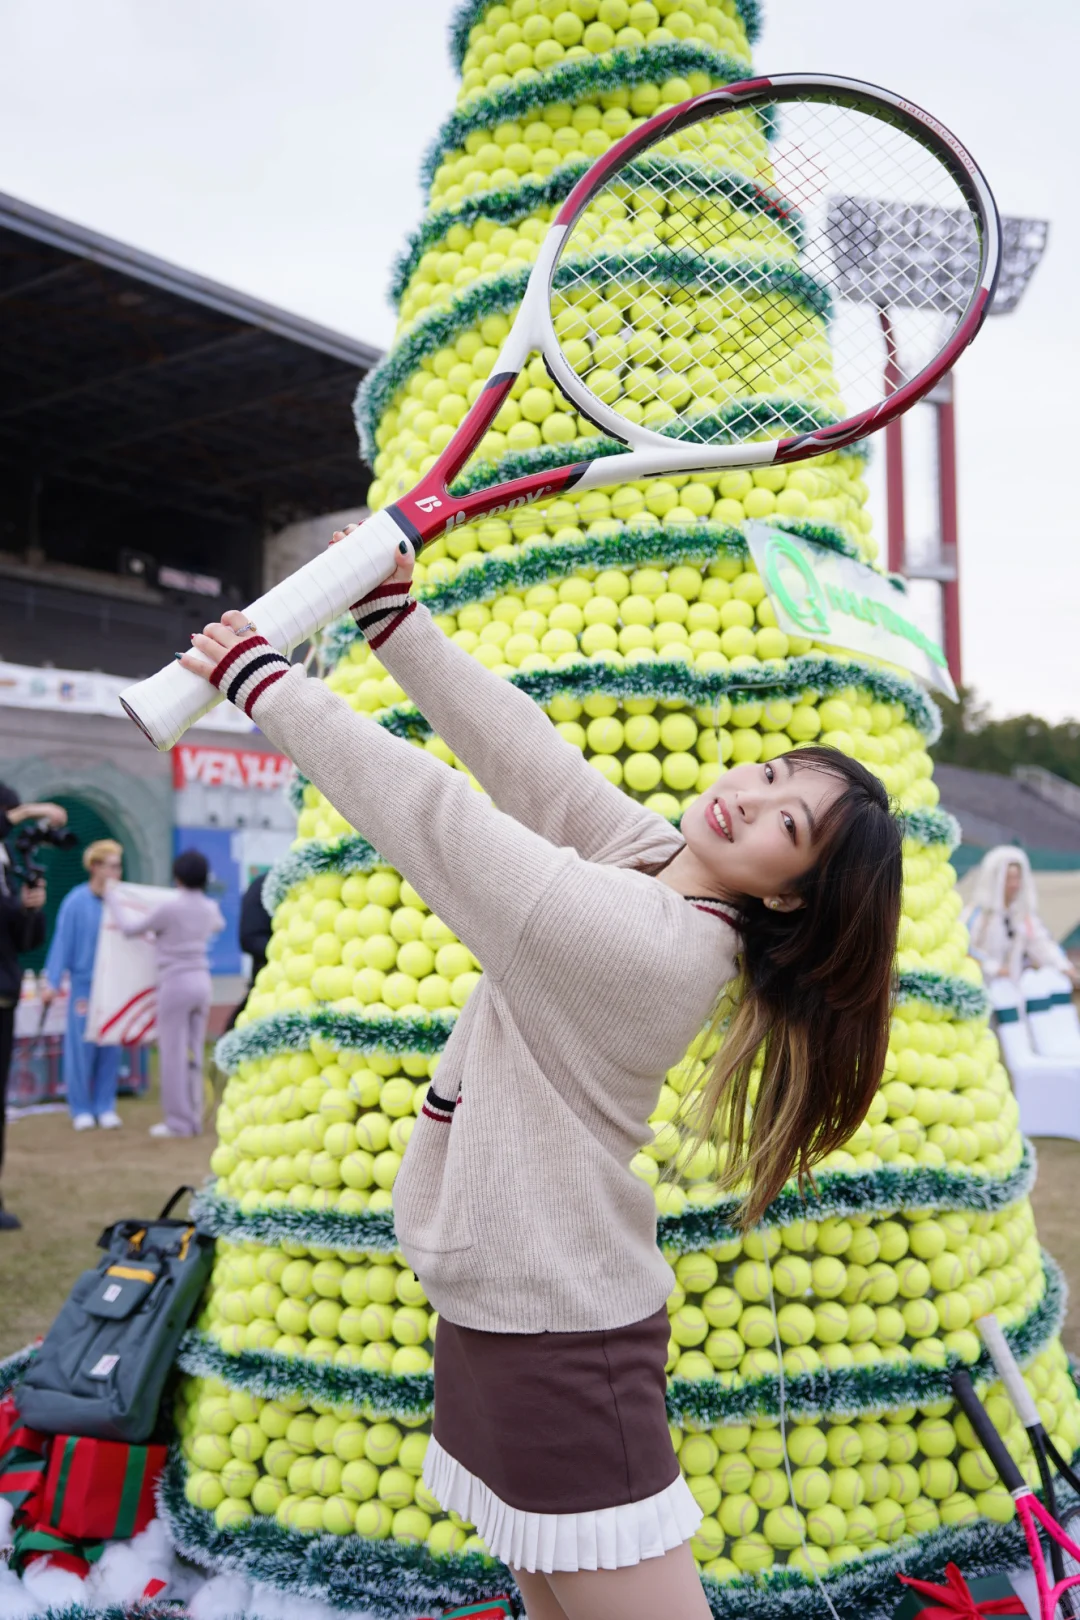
(686, 326)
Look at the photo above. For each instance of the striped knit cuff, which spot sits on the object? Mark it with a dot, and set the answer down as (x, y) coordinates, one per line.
(380, 612)
(246, 671)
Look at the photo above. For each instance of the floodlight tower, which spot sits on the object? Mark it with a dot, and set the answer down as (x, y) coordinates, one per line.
(864, 234)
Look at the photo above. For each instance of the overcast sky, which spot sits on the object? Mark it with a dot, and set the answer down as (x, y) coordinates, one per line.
(276, 147)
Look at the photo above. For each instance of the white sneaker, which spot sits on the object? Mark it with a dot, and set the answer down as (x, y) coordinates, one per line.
(161, 1129)
(83, 1122)
(110, 1120)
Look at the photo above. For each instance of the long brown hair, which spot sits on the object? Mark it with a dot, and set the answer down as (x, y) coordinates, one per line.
(811, 1008)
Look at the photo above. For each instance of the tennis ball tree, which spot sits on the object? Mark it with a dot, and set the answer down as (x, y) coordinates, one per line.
(635, 617)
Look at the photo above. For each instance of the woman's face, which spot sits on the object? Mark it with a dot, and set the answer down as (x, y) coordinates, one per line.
(1014, 877)
(754, 829)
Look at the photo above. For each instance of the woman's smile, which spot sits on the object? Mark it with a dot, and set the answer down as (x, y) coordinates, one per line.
(718, 817)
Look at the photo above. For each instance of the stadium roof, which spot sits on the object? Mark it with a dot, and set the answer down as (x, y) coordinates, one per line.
(125, 375)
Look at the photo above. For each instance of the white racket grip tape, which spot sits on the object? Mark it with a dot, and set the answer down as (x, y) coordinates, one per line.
(1008, 1371)
(166, 704)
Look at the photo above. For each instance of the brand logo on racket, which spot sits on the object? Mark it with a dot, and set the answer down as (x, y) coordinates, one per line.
(429, 503)
(504, 506)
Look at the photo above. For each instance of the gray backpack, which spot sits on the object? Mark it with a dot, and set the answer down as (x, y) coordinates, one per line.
(102, 1367)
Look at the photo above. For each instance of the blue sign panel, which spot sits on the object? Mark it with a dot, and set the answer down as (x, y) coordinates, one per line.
(224, 886)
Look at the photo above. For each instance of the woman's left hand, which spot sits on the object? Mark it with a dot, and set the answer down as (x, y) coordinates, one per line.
(210, 647)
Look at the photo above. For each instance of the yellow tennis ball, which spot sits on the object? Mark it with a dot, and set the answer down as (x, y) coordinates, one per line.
(373, 1520)
(921, 1515)
(411, 1525)
(938, 1478)
(698, 1454)
(326, 1476)
(846, 1489)
(769, 1487)
(409, 1325)
(382, 1443)
(784, 1527)
(751, 1554)
(248, 1441)
(843, 1446)
(204, 1489)
(738, 1515)
(936, 1437)
(807, 1446)
(827, 1525)
(232, 1513)
(828, 1276)
(307, 1515)
(215, 1415)
(445, 1538)
(811, 1487)
(348, 1442)
(211, 1451)
(791, 1275)
(396, 1487)
(733, 1473)
(705, 1491)
(268, 1495)
(359, 1479)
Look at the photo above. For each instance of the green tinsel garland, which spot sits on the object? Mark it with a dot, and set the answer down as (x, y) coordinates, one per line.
(946, 991)
(141, 1609)
(933, 827)
(12, 1367)
(403, 1034)
(345, 855)
(671, 678)
(843, 1393)
(409, 1034)
(261, 1372)
(574, 81)
(852, 1391)
(837, 1193)
(353, 852)
(501, 292)
(470, 12)
(761, 413)
(508, 204)
(394, 1580)
(540, 561)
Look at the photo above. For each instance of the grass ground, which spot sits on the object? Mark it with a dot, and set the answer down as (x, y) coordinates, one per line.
(67, 1187)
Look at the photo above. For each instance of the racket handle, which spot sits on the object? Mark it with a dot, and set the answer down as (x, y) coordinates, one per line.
(990, 1440)
(990, 1330)
(167, 703)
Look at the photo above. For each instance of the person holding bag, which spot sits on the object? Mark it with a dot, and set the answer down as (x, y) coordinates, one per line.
(182, 929)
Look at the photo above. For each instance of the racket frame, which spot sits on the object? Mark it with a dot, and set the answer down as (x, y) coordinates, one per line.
(1030, 1511)
(430, 510)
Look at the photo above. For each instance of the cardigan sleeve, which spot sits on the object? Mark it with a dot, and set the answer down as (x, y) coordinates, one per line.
(509, 744)
(478, 869)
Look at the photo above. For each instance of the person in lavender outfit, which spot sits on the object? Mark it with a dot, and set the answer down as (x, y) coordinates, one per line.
(182, 930)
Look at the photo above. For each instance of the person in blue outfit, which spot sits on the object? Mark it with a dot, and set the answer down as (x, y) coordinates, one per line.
(90, 1072)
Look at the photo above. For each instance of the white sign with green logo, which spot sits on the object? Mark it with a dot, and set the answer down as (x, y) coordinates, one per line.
(838, 602)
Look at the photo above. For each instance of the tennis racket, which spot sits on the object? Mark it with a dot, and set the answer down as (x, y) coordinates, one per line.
(1042, 1445)
(1030, 1511)
(686, 301)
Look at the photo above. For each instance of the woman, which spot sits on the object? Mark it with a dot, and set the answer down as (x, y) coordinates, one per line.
(182, 929)
(605, 937)
(1007, 934)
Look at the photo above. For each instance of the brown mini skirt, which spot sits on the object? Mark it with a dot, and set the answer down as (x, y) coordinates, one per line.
(556, 1445)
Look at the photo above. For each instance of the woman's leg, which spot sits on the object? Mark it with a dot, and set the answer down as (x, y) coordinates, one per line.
(172, 1056)
(198, 1013)
(667, 1586)
(540, 1601)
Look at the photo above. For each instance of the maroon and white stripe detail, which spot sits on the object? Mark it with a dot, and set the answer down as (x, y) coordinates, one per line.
(715, 908)
(247, 670)
(379, 613)
(438, 1109)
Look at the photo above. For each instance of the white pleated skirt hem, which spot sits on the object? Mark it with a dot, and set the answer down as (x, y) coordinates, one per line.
(543, 1543)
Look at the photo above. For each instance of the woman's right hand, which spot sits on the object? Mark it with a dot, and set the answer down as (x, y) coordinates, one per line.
(403, 569)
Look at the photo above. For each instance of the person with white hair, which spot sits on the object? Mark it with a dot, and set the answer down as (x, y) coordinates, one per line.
(1006, 932)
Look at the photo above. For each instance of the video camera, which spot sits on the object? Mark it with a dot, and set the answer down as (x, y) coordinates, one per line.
(27, 838)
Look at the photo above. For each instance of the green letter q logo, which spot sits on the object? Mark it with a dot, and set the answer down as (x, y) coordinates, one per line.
(806, 607)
